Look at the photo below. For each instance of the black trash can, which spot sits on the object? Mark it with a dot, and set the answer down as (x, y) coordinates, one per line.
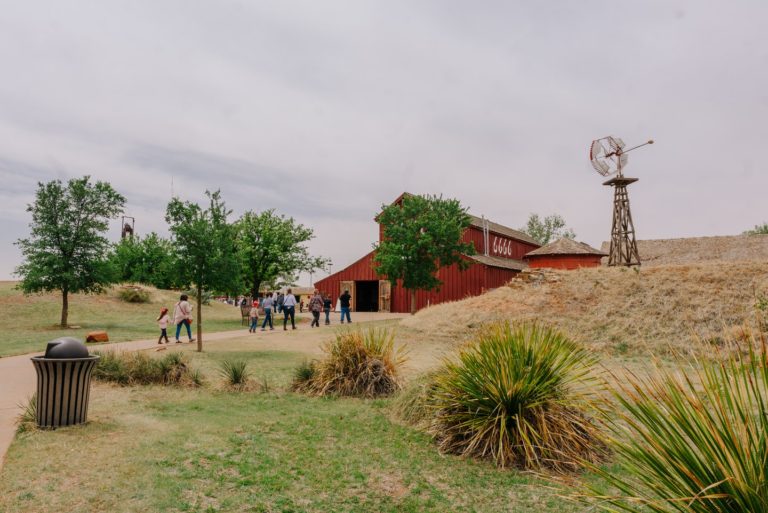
(63, 383)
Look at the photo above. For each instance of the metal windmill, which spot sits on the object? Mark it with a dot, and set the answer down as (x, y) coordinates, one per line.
(609, 157)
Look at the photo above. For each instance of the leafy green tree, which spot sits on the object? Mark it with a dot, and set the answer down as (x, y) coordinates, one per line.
(421, 235)
(548, 229)
(759, 229)
(66, 250)
(272, 249)
(205, 248)
(150, 260)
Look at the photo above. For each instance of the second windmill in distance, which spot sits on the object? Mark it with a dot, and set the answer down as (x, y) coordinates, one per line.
(609, 156)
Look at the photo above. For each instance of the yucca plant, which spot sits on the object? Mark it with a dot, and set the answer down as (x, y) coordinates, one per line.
(359, 363)
(693, 440)
(235, 372)
(515, 395)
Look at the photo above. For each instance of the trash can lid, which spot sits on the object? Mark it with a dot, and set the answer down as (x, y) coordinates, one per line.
(66, 347)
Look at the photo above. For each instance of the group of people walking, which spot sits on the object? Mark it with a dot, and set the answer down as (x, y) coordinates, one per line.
(271, 304)
(182, 316)
(286, 304)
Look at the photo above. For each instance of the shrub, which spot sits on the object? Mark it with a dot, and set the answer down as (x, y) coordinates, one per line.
(303, 376)
(694, 440)
(134, 294)
(138, 368)
(412, 404)
(514, 396)
(234, 372)
(358, 363)
(27, 419)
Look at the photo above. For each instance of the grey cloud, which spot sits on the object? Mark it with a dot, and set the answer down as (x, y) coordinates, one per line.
(326, 110)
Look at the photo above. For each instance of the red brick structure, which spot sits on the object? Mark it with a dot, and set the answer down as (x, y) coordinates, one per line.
(499, 258)
(565, 254)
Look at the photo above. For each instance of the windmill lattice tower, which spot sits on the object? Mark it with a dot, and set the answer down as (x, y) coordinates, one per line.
(609, 157)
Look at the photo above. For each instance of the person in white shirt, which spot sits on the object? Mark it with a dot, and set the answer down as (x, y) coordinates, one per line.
(289, 309)
(182, 315)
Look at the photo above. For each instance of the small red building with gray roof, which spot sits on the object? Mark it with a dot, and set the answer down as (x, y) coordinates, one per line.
(565, 254)
(499, 258)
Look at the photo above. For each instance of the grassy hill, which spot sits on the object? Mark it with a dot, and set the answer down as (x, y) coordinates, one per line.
(27, 323)
(620, 310)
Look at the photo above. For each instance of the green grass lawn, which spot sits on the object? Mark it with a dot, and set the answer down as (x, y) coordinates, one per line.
(153, 449)
(27, 323)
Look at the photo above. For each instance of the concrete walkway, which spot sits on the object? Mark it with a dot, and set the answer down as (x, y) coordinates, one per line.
(18, 379)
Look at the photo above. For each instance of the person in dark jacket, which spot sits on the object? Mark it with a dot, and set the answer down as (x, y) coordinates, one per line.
(316, 306)
(279, 302)
(327, 309)
(345, 298)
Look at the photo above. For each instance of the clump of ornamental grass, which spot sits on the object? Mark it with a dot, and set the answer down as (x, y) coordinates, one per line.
(412, 403)
(235, 373)
(356, 363)
(27, 419)
(303, 376)
(693, 440)
(139, 368)
(516, 395)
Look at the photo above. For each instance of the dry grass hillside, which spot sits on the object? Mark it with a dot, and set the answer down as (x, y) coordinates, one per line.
(723, 248)
(617, 309)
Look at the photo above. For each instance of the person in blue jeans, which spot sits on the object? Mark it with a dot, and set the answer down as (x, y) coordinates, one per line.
(344, 299)
(289, 310)
(182, 315)
(268, 304)
(327, 309)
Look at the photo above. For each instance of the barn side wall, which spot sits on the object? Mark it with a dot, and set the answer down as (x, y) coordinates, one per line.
(563, 261)
(457, 284)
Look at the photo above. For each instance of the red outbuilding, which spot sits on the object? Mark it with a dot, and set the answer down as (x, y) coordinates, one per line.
(565, 254)
(499, 257)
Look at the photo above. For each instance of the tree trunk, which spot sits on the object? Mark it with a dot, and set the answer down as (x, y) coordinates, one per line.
(413, 301)
(255, 288)
(64, 306)
(199, 320)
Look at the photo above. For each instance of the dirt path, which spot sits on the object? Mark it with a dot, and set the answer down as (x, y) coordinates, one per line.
(18, 379)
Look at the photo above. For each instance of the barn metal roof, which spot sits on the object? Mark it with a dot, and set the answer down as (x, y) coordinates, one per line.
(566, 247)
(503, 230)
(502, 263)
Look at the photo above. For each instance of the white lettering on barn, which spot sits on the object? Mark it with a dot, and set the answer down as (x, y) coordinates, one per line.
(502, 247)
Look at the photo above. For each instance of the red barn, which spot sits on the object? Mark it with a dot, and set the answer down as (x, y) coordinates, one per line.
(565, 254)
(499, 258)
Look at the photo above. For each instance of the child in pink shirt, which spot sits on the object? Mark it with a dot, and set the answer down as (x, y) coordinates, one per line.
(162, 323)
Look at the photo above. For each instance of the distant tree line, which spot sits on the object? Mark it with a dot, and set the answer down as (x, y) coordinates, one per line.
(67, 250)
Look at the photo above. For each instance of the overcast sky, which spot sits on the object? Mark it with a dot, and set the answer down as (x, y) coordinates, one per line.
(324, 110)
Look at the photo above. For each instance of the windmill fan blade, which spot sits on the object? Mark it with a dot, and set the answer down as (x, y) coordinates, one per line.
(595, 150)
(601, 167)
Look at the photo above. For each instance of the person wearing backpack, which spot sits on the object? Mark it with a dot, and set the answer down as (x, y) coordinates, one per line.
(316, 306)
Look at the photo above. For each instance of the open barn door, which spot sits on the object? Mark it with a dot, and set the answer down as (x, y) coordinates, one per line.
(350, 286)
(385, 296)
